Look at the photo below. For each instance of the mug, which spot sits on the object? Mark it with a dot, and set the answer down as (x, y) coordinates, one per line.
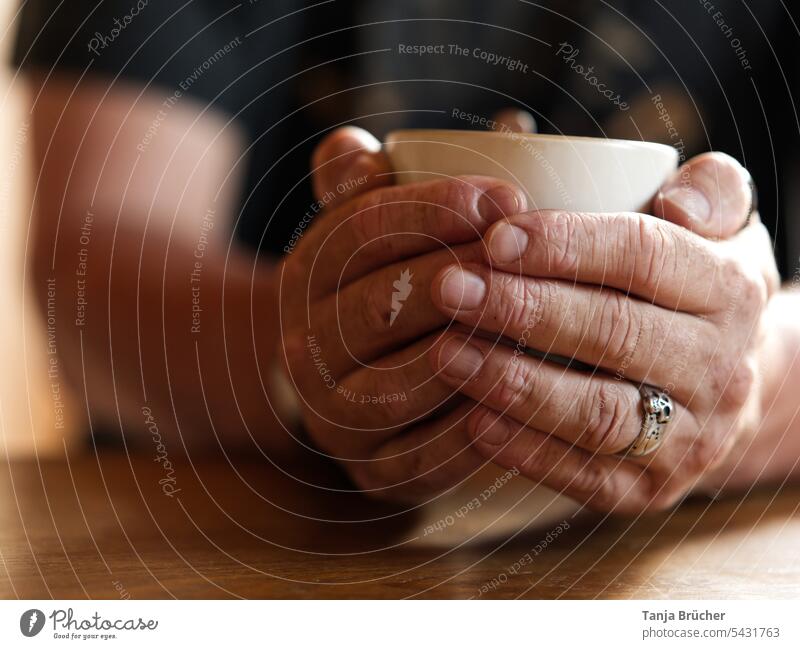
(555, 171)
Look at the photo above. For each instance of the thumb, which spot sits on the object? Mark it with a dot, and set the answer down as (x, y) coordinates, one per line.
(348, 162)
(711, 195)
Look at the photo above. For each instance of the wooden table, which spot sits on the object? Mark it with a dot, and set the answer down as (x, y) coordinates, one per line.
(100, 525)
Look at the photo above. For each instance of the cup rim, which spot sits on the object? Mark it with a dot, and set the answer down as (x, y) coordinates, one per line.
(544, 137)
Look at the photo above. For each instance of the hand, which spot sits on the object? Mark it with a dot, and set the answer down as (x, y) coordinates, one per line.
(357, 317)
(641, 299)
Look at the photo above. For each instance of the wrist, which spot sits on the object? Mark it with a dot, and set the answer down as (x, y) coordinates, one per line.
(770, 444)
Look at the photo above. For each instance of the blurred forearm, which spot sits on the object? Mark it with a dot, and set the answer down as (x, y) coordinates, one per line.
(148, 305)
(129, 332)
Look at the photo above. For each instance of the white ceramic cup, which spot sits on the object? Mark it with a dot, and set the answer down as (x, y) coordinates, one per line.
(557, 172)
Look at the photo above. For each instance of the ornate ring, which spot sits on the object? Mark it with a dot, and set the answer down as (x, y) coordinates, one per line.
(657, 411)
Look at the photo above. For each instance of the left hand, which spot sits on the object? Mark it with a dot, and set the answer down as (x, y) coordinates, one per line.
(643, 300)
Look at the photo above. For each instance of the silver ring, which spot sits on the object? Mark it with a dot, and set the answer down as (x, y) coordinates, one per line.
(657, 412)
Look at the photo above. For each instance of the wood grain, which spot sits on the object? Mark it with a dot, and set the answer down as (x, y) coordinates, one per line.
(100, 526)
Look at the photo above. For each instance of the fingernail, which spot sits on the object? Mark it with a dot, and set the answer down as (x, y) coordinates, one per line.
(462, 290)
(691, 200)
(492, 429)
(507, 243)
(498, 202)
(459, 359)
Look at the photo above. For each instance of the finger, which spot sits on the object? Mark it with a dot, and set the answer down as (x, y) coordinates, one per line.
(636, 253)
(594, 411)
(348, 162)
(422, 462)
(382, 312)
(630, 338)
(710, 195)
(399, 222)
(515, 120)
(373, 403)
(601, 482)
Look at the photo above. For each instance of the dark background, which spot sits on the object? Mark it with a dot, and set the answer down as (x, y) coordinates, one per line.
(301, 70)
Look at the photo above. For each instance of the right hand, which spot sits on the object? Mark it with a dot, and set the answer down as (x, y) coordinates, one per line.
(367, 392)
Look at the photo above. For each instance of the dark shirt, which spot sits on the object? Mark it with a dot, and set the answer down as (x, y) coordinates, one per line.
(288, 72)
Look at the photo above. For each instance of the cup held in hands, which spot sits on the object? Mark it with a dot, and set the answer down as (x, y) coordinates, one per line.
(556, 172)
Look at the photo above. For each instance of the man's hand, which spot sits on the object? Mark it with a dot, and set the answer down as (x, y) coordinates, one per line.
(357, 317)
(642, 300)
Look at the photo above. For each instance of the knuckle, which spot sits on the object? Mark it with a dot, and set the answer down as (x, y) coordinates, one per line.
(732, 274)
(375, 308)
(446, 203)
(546, 308)
(456, 196)
(452, 208)
(719, 371)
(593, 480)
(743, 380)
(563, 235)
(733, 381)
(539, 463)
(377, 216)
(395, 412)
(479, 421)
(422, 476)
(706, 452)
(745, 291)
(514, 385)
(608, 415)
(651, 239)
(517, 299)
(605, 500)
(370, 223)
(618, 328)
(755, 294)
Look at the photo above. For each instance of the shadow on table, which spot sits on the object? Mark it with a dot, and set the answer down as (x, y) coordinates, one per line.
(265, 532)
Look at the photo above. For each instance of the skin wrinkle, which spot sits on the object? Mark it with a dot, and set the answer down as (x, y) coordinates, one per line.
(628, 359)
